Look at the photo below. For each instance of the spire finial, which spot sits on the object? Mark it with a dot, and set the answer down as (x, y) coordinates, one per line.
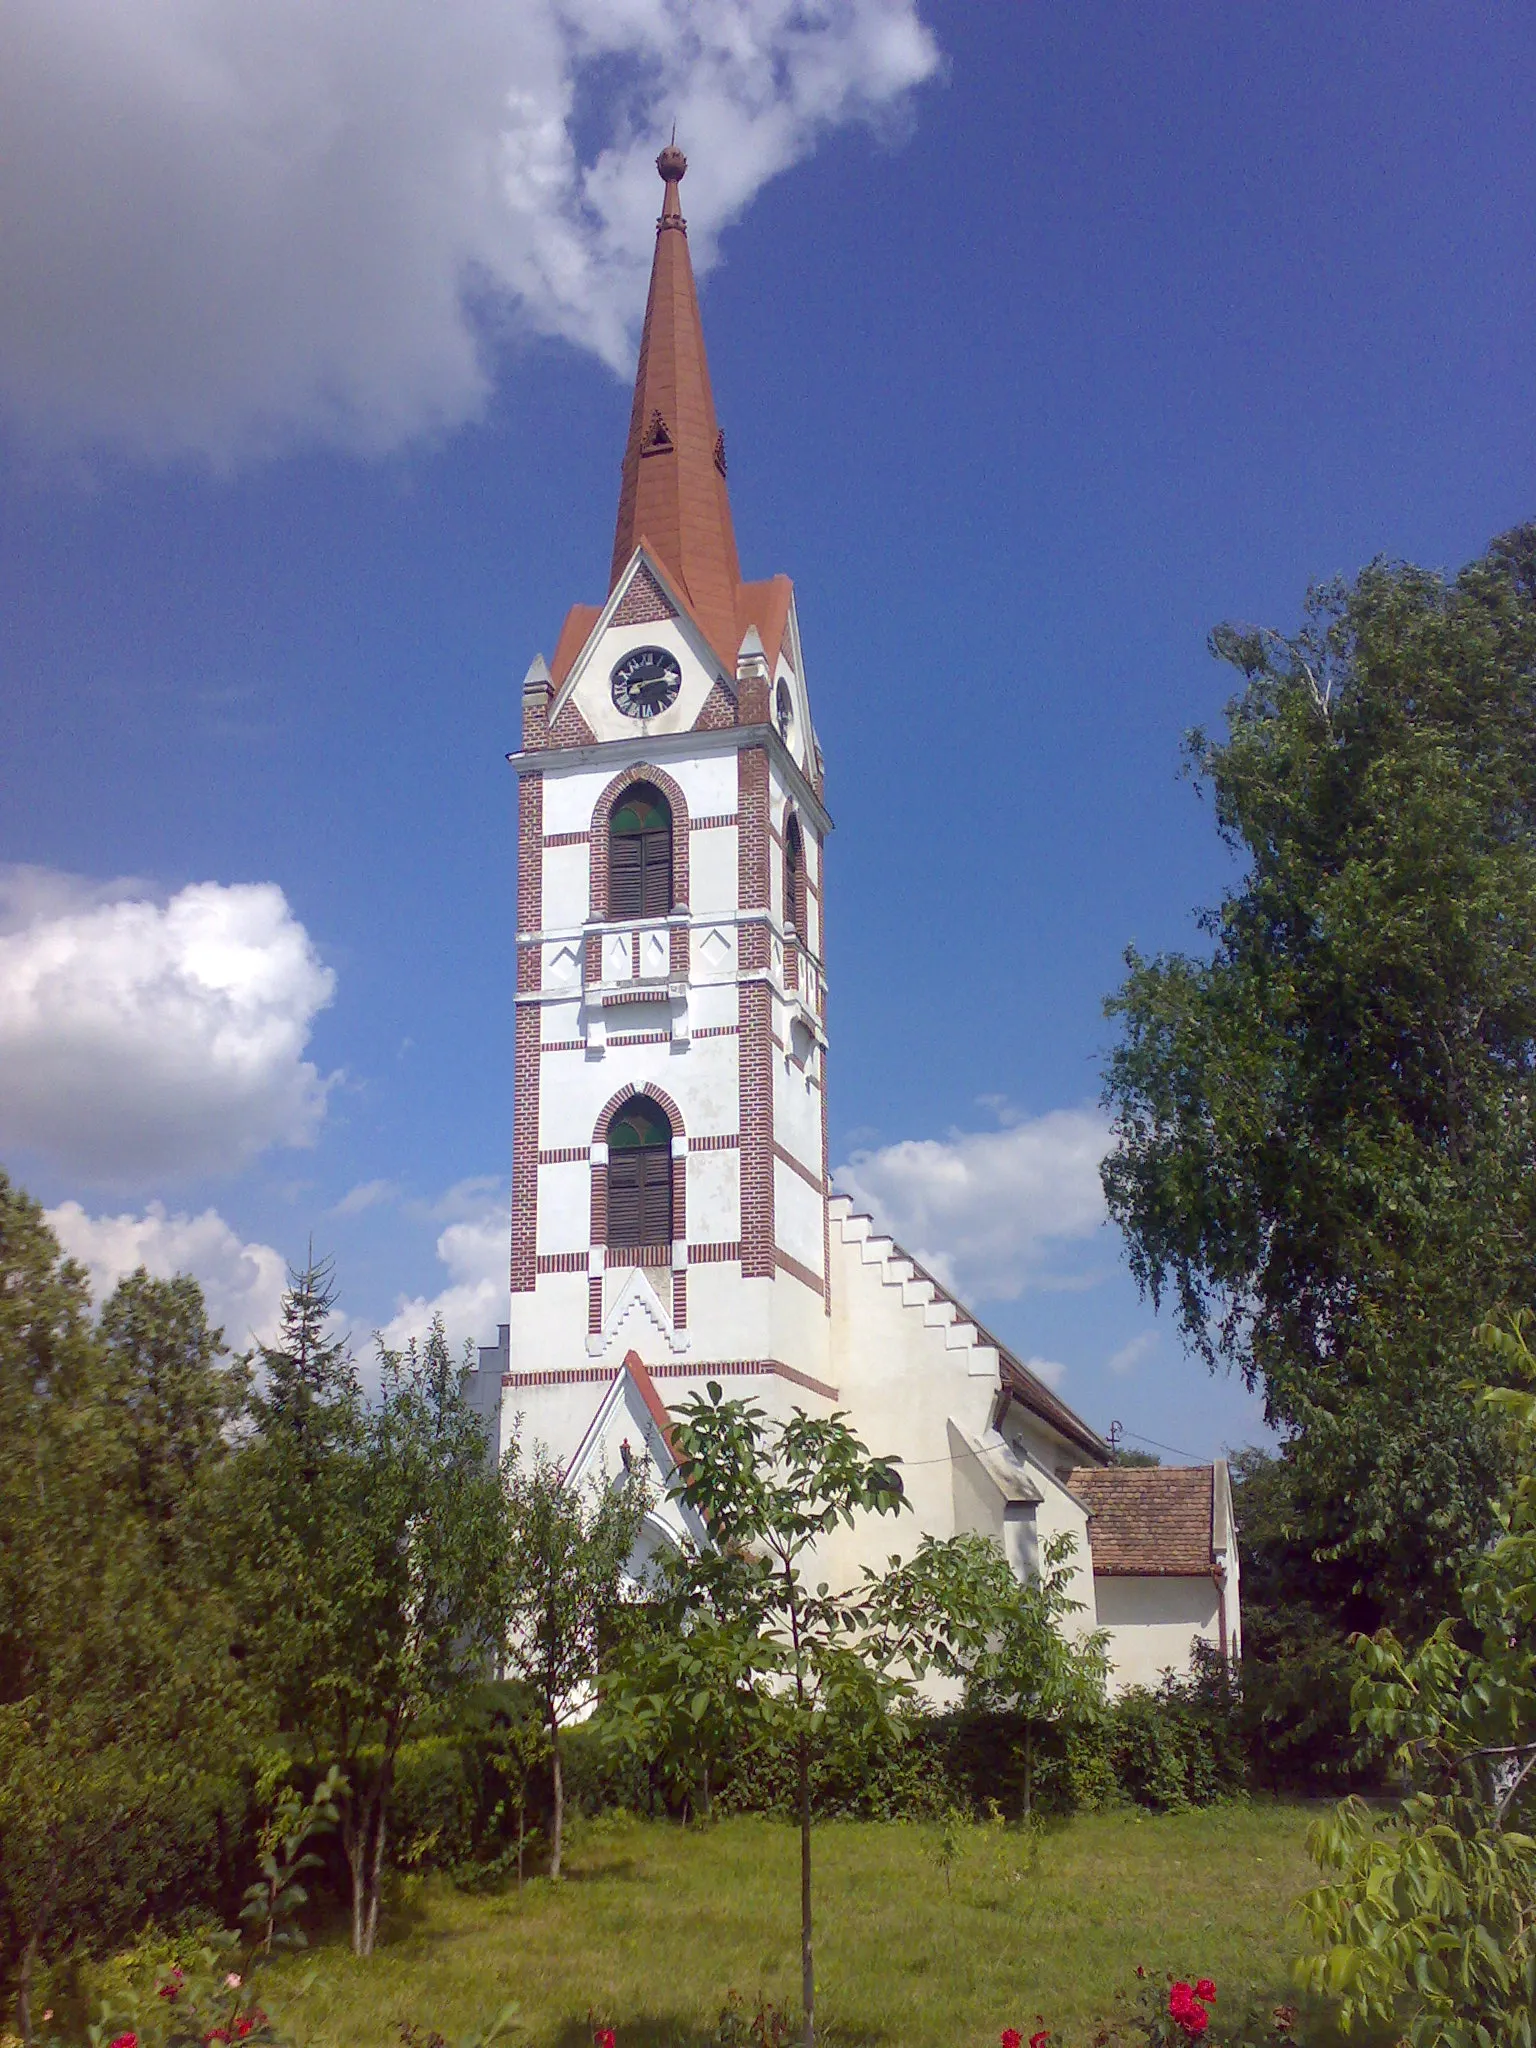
(672, 164)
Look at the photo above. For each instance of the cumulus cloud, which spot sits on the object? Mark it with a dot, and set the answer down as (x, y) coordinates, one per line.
(475, 1250)
(242, 1283)
(1130, 1355)
(368, 1194)
(988, 1211)
(140, 1038)
(225, 228)
(1051, 1370)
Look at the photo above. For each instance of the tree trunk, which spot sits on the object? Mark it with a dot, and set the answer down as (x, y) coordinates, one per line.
(376, 1872)
(1029, 1770)
(807, 1966)
(557, 1825)
(354, 1840)
(522, 1833)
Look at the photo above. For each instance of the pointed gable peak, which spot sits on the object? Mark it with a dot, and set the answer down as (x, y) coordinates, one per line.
(673, 490)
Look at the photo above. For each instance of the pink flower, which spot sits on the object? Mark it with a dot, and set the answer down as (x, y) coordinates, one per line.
(1012, 2038)
(233, 1980)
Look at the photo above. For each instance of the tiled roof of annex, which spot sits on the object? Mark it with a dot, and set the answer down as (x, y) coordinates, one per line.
(1149, 1521)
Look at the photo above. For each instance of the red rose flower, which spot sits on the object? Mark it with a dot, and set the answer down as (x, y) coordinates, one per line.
(124, 2041)
(1195, 2021)
(603, 2038)
(1205, 1989)
(1038, 2040)
(1181, 1997)
(1012, 2038)
(216, 2034)
(243, 2027)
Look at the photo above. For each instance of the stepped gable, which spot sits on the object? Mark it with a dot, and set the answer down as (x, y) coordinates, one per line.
(1149, 1521)
(925, 1295)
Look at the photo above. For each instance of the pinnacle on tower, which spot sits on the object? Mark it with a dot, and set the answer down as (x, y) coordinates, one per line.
(673, 494)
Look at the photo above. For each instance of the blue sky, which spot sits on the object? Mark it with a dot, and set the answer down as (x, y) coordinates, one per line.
(1044, 338)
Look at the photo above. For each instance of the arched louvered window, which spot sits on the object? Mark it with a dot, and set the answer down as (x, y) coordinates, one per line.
(640, 854)
(639, 1174)
(794, 879)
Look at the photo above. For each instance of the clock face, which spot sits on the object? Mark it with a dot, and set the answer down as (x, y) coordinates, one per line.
(646, 682)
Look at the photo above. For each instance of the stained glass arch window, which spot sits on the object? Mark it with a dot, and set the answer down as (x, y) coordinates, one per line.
(639, 1174)
(640, 854)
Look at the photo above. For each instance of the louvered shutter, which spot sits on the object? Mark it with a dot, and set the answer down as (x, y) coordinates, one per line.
(624, 1197)
(624, 875)
(640, 1195)
(657, 881)
(656, 1195)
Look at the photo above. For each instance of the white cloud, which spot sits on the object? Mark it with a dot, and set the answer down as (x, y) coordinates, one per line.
(988, 1211)
(476, 1250)
(225, 227)
(1130, 1355)
(242, 1283)
(141, 1038)
(368, 1194)
(1051, 1370)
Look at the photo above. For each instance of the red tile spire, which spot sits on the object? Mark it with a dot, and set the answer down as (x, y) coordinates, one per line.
(673, 494)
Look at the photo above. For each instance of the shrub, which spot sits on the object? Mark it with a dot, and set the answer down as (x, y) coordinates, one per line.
(436, 1801)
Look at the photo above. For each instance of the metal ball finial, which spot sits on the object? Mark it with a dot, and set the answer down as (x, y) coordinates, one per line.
(672, 164)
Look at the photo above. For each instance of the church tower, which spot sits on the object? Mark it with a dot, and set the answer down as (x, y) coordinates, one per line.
(669, 1188)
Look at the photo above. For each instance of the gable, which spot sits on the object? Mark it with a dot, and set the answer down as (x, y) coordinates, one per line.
(645, 609)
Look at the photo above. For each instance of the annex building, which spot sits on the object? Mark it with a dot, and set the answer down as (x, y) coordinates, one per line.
(673, 1220)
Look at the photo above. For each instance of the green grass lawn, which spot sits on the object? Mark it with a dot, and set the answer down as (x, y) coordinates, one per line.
(655, 1922)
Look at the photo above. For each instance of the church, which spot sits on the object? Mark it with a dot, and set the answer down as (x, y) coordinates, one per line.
(673, 1220)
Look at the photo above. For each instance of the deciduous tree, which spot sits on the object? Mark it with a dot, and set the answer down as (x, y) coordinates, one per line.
(568, 1549)
(377, 1539)
(1325, 1128)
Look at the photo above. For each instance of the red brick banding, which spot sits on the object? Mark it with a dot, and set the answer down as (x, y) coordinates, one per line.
(754, 1002)
(566, 838)
(800, 1272)
(622, 1257)
(717, 823)
(526, 1027)
(525, 1147)
(562, 1262)
(714, 1254)
(659, 1096)
(795, 1166)
(717, 1368)
(569, 728)
(719, 711)
(563, 1155)
(644, 603)
(752, 827)
(724, 1141)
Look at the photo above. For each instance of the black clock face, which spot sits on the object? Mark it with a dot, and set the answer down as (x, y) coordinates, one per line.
(646, 682)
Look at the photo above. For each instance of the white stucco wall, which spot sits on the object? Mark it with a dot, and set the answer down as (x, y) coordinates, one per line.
(1151, 1623)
